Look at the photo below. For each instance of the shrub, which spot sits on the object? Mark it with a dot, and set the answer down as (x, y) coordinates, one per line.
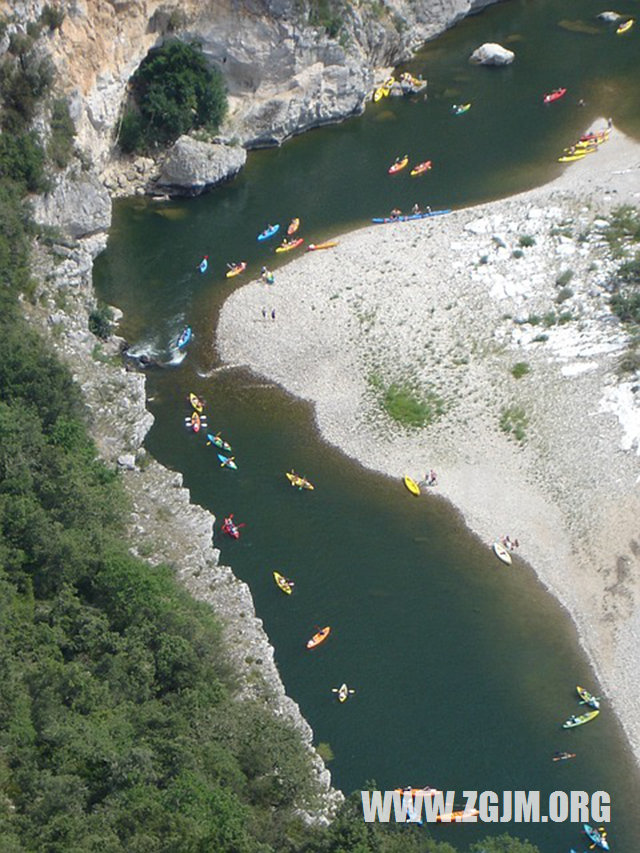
(22, 160)
(623, 227)
(541, 338)
(517, 253)
(514, 421)
(520, 369)
(63, 131)
(626, 306)
(100, 320)
(327, 14)
(564, 278)
(526, 240)
(564, 294)
(52, 17)
(409, 407)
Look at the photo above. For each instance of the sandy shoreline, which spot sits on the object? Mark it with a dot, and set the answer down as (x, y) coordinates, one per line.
(441, 305)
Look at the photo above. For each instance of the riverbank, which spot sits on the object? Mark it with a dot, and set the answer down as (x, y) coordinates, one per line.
(446, 308)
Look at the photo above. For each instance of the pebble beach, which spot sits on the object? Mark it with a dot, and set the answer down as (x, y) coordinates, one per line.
(497, 318)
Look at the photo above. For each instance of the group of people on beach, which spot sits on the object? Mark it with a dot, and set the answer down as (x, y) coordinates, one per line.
(508, 543)
(430, 479)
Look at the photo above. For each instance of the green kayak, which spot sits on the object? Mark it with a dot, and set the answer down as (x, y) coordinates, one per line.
(574, 721)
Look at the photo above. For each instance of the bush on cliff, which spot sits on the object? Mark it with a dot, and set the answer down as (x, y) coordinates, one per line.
(173, 91)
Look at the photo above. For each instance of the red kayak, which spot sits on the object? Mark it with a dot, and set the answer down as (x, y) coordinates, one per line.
(554, 96)
(231, 528)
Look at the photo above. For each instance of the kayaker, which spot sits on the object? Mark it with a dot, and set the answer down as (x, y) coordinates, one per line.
(416, 208)
(395, 213)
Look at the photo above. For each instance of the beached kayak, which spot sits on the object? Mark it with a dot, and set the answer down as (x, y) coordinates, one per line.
(574, 721)
(421, 168)
(184, 337)
(588, 698)
(622, 28)
(411, 484)
(502, 553)
(236, 269)
(328, 244)
(319, 637)
(269, 231)
(293, 226)
(459, 109)
(288, 245)
(399, 164)
(599, 838)
(383, 91)
(196, 402)
(550, 97)
(217, 441)
(570, 158)
(600, 135)
(408, 217)
(298, 481)
(285, 585)
(227, 462)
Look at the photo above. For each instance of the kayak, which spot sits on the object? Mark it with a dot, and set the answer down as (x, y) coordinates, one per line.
(598, 838)
(587, 697)
(319, 637)
(421, 168)
(427, 791)
(184, 337)
(285, 585)
(194, 422)
(196, 402)
(297, 480)
(550, 97)
(413, 487)
(623, 29)
(459, 109)
(328, 244)
(398, 165)
(227, 462)
(269, 231)
(600, 135)
(236, 269)
(581, 149)
(204, 263)
(574, 721)
(287, 246)
(231, 528)
(293, 226)
(343, 692)
(408, 217)
(563, 756)
(502, 553)
(457, 817)
(383, 91)
(219, 442)
(570, 158)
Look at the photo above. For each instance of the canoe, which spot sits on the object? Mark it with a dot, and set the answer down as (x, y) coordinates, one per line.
(625, 26)
(227, 462)
(550, 97)
(328, 244)
(421, 168)
(563, 756)
(217, 441)
(398, 165)
(413, 487)
(502, 553)
(588, 698)
(459, 109)
(196, 402)
(408, 217)
(293, 226)
(288, 246)
(204, 263)
(236, 269)
(319, 637)
(574, 721)
(184, 337)
(269, 231)
(598, 838)
(285, 585)
(297, 480)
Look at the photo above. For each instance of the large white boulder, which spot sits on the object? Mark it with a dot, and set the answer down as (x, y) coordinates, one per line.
(191, 166)
(492, 54)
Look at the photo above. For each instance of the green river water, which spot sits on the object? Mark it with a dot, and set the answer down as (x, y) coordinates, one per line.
(464, 671)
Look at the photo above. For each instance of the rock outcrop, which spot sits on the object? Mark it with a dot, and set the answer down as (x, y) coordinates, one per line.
(191, 167)
(492, 54)
(78, 205)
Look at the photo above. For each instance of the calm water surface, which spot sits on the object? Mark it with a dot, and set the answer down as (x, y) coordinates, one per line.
(463, 670)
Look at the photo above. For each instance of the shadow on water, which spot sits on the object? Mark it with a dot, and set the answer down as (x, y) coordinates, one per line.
(463, 669)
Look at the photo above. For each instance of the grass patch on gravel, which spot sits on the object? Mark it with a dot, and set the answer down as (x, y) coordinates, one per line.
(514, 421)
(408, 405)
(623, 228)
(520, 369)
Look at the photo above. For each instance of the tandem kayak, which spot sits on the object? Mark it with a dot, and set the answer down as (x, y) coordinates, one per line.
(622, 28)
(421, 168)
(269, 231)
(411, 484)
(319, 637)
(184, 337)
(328, 244)
(399, 164)
(236, 269)
(598, 838)
(297, 480)
(231, 528)
(574, 721)
(408, 217)
(502, 553)
(217, 441)
(285, 585)
(196, 402)
(288, 245)
(550, 97)
(194, 422)
(588, 698)
(227, 462)
(459, 109)
(293, 226)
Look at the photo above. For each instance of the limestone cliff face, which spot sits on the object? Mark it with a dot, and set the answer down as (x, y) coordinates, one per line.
(283, 74)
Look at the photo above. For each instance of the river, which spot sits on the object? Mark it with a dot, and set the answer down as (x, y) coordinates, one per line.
(463, 671)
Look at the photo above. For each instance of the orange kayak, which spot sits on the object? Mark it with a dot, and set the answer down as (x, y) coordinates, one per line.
(456, 817)
(236, 269)
(328, 244)
(195, 422)
(398, 165)
(421, 168)
(318, 638)
(293, 226)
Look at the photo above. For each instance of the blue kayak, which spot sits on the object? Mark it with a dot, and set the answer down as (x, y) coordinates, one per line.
(409, 217)
(184, 338)
(204, 263)
(595, 836)
(269, 232)
(218, 441)
(226, 461)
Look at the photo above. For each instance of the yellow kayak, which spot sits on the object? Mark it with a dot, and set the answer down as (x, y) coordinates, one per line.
(383, 91)
(285, 585)
(328, 244)
(413, 487)
(297, 480)
(569, 158)
(625, 26)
